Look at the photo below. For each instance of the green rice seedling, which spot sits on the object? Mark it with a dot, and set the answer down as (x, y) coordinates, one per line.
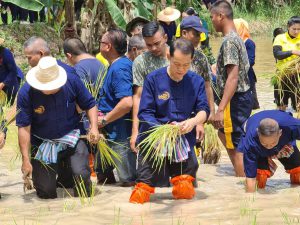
(108, 157)
(288, 219)
(160, 144)
(212, 152)
(69, 205)
(117, 216)
(286, 75)
(289, 68)
(94, 87)
(82, 192)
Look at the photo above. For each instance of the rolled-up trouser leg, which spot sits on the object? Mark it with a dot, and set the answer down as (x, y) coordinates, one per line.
(44, 179)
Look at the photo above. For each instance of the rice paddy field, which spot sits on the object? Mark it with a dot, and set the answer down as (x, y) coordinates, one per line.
(220, 197)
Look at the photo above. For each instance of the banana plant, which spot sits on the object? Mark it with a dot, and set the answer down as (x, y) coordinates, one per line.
(139, 7)
(35, 5)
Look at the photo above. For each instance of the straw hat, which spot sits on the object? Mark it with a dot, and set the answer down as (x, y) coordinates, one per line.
(47, 75)
(169, 14)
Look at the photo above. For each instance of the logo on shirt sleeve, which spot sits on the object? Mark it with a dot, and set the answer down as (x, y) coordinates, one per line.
(40, 109)
(164, 96)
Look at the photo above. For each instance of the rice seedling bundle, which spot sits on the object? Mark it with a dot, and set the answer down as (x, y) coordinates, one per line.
(7, 113)
(108, 157)
(212, 152)
(290, 68)
(162, 142)
(3, 98)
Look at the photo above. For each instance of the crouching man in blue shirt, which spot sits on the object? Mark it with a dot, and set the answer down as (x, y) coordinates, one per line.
(270, 134)
(172, 94)
(49, 122)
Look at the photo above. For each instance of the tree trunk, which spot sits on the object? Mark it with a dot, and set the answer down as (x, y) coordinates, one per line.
(155, 9)
(163, 4)
(70, 30)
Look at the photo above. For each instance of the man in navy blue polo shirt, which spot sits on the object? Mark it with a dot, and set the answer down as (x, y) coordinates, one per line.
(270, 134)
(49, 122)
(115, 105)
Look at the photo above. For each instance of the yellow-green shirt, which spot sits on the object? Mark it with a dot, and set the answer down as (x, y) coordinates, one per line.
(288, 44)
(102, 59)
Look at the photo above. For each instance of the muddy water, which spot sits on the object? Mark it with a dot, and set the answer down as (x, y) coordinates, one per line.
(220, 196)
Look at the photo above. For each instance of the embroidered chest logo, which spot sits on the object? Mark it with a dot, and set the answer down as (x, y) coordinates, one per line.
(164, 96)
(298, 45)
(40, 109)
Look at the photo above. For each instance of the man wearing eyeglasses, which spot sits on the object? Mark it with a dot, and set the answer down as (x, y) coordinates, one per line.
(115, 105)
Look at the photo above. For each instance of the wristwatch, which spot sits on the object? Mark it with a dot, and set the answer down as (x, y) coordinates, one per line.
(103, 121)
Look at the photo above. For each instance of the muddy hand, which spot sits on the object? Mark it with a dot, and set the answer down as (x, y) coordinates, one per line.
(28, 185)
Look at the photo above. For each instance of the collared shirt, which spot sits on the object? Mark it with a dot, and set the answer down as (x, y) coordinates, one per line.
(233, 52)
(288, 44)
(89, 69)
(117, 85)
(251, 146)
(145, 64)
(53, 116)
(164, 100)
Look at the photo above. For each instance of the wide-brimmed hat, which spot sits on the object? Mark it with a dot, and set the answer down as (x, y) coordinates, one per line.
(47, 75)
(1, 41)
(133, 22)
(169, 14)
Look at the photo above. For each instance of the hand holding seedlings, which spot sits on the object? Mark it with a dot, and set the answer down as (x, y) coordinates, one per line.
(187, 125)
(27, 171)
(28, 185)
(218, 121)
(93, 136)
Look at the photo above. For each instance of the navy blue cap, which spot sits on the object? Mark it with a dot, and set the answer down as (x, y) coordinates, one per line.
(192, 22)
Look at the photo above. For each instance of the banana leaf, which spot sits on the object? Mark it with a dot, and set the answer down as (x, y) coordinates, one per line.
(115, 13)
(34, 5)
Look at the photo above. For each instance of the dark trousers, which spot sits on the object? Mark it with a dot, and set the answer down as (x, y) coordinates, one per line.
(18, 13)
(254, 95)
(289, 163)
(72, 164)
(4, 6)
(148, 175)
